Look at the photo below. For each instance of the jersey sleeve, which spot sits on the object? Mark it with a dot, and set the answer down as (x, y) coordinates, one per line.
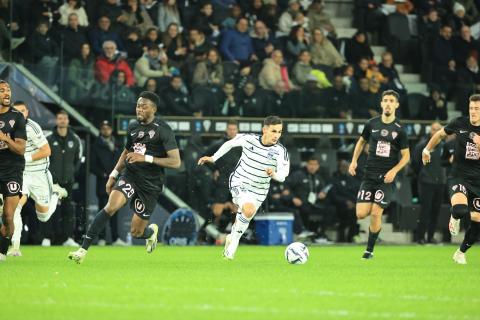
(169, 142)
(453, 126)
(36, 136)
(367, 129)
(20, 130)
(403, 139)
(128, 144)
(283, 166)
(238, 141)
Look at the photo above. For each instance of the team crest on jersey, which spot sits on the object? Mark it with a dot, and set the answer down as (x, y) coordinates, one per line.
(139, 206)
(272, 154)
(70, 144)
(11, 123)
(151, 134)
(141, 134)
(384, 133)
(13, 187)
(394, 134)
(379, 195)
(2, 124)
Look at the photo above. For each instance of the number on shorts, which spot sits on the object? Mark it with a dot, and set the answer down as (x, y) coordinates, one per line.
(460, 188)
(129, 191)
(364, 195)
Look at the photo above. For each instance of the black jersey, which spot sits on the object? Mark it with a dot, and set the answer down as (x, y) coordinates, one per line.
(385, 142)
(466, 164)
(153, 139)
(12, 123)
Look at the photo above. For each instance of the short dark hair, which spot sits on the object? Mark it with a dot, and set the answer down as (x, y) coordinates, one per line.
(313, 158)
(4, 82)
(391, 93)
(232, 122)
(272, 120)
(474, 97)
(62, 112)
(152, 96)
(20, 103)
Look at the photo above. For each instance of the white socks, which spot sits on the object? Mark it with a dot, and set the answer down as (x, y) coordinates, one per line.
(239, 227)
(44, 217)
(18, 226)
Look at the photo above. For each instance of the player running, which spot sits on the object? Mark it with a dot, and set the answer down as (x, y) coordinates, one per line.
(386, 139)
(150, 147)
(464, 180)
(263, 158)
(12, 148)
(37, 180)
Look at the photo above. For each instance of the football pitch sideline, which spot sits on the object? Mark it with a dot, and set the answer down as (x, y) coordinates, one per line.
(401, 282)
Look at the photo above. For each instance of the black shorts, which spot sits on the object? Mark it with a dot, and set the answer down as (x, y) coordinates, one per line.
(141, 202)
(221, 192)
(11, 184)
(459, 185)
(376, 191)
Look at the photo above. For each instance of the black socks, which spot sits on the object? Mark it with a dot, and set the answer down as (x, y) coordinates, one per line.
(372, 238)
(98, 224)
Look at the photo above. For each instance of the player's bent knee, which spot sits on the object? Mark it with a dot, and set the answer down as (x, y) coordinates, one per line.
(362, 214)
(249, 210)
(459, 211)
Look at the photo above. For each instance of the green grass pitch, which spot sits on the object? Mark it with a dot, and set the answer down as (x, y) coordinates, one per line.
(402, 282)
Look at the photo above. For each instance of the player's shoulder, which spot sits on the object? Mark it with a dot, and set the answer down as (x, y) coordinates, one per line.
(397, 123)
(374, 121)
(35, 127)
(281, 147)
(462, 120)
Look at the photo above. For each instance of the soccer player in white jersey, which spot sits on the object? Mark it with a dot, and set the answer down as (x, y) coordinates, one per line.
(263, 158)
(37, 180)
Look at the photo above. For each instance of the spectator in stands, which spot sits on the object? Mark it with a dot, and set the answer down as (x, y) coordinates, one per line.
(237, 45)
(73, 36)
(115, 96)
(152, 37)
(45, 10)
(110, 9)
(434, 107)
(337, 100)
(270, 16)
(263, 40)
(110, 61)
(69, 7)
(168, 13)
(152, 7)
(323, 51)
(442, 52)
(309, 194)
(368, 16)
(273, 71)
(105, 153)
(344, 196)
(174, 44)
(254, 11)
(135, 16)
(151, 85)
(198, 44)
(364, 102)
(290, 18)
(361, 69)
(206, 21)
(80, 76)
(209, 72)
(404, 7)
(176, 97)
(149, 66)
(252, 101)
(133, 46)
(102, 33)
(302, 68)
(283, 102)
(312, 99)
(44, 52)
(229, 105)
(429, 27)
(388, 70)
(235, 14)
(357, 48)
(467, 84)
(375, 78)
(296, 43)
(318, 19)
(469, 8)
(464, 45)
(431, 186)
(349, 79)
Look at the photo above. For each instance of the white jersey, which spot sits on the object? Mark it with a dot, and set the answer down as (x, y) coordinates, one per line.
(250, 173)
(35, 140)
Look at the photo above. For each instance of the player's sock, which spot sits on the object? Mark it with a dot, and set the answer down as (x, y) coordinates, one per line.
(98, 224)
(470, 236)
(372, 238)
(44, 217)
(5, 242)
(239, 227)
(18, 226)
(147, 233)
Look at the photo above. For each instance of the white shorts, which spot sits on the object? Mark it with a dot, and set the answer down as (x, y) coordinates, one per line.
(38, 186)
(241, 195)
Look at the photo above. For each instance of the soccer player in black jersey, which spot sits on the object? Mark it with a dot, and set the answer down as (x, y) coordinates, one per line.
(387, 140)
(464, 179)
(138, 175)
(13, 138)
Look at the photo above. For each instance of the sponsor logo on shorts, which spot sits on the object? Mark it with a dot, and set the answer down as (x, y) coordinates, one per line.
(379, 195)
(121, 183)
(13, 187)
(476, 203)
(384, 133)
(139, 206)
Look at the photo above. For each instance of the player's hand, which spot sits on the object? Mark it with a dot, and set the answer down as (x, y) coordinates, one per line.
(205, 160)
(390, 176)
(352, 169)
(270, 172)
(476, 139)
(3, 136)
(109, 185)
(297, 202)
(133, 157)
(426, 158)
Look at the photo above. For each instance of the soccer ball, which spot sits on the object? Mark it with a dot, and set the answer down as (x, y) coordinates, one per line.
(296, 253)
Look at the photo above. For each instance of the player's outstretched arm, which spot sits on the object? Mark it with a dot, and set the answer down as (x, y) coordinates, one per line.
(352, 169)
(15, 145)
(432, 143)
(205, 160)
(224, 148)
(283, 168)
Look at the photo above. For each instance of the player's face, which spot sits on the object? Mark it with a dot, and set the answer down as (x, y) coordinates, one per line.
(62, 121)
(145, 109)
(272, 133)
(232, 131)
(23, 109)
(389, 104)
(5, 94)
(434, 128)
(474, 112)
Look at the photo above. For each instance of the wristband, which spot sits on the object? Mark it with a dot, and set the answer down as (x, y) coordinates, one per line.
(28, 158)
(426, 151)
(149, 159)
(114, 174)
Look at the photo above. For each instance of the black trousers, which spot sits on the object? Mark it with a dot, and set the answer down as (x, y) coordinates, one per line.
(431, 198)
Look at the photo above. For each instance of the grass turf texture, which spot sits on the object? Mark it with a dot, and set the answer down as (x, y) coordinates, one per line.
(408, 282)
